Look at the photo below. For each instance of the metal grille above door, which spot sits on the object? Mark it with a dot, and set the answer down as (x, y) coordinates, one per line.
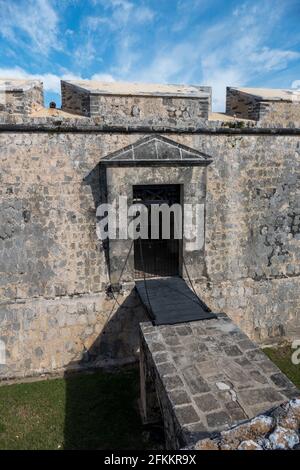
(156, 258)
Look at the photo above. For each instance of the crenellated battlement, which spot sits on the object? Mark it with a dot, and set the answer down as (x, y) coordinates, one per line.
(21, 97)
(277, 106)
(59, 165)
(132, 105)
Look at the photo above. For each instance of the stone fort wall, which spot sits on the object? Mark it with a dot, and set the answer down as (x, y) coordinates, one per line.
(20, 97)
(147, 109)
(54, 267)
(55, 312)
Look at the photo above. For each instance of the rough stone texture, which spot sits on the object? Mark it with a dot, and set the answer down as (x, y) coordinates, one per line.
(50, 190)
(279, 114)
(69, 333)
(265, 432)
(203, 388)
(241, 104)
(252, 233)
(50, 187)
(249, 445)
(120, 181)
(159, 108)
(20, 97)
(74, 99)
(272, 112)
(157, 150)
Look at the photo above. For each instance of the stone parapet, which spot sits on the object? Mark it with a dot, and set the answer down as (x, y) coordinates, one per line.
(271, 108)
(20, 97)
(206, 376)
(145, 104)
(278, 429)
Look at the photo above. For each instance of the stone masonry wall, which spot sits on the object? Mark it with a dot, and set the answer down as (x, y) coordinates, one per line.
(159, 110)
(49, 253)
(141, 110)
(206, 377)
(241, 104)
(75, 100)
(252, 232)
(279, 114)
(268, 113)
(69, 333)
(22, 102)
(279, 429)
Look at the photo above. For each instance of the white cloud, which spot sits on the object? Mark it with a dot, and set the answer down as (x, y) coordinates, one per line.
(114, 3)
(33, 24)
(115, 28)
(103, 77)
(51, 81)
(121, 14)
(92, 23)
(85, 53)
(296, 84)
(219, 78)
(232, 52)
(143, 14)
(170, 64)
(127, 56)
(273, 59)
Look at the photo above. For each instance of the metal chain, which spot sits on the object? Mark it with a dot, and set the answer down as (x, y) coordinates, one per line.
(113, 294)
(145, 283)
(205, 307)
(202, 304)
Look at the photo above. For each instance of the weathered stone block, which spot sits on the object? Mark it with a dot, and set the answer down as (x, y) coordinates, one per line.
(206, 402)
(218, 419)
(195, 382)
(186, 415)
(179, 397)
(252, 397)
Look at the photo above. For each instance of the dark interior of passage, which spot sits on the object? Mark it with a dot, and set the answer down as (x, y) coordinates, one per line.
(156, 258)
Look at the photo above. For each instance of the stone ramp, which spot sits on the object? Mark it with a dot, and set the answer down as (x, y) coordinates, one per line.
(205, 377)
(171, 301)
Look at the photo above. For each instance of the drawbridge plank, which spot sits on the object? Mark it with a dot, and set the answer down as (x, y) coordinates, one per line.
(171, 301)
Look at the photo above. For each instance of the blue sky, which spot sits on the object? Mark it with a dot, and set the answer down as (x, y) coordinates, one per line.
(208, 42)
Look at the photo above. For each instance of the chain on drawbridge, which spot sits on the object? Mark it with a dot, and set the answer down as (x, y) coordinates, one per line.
(150, 309)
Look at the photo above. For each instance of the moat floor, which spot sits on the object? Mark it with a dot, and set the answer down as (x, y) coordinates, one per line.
(101, 408)
(94, 411)
(282, 356)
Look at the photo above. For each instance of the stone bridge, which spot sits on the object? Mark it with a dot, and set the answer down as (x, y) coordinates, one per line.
(203, 377)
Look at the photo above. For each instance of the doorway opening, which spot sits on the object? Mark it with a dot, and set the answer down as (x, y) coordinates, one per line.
(157, 257)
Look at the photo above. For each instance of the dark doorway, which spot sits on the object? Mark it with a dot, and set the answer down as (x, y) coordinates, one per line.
(157, 257)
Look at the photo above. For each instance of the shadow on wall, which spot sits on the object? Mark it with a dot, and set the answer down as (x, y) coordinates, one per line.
(101, 410)
(96, 180)
(101, 403)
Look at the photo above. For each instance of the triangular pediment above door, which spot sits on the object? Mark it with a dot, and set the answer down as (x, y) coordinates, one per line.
(156, 150)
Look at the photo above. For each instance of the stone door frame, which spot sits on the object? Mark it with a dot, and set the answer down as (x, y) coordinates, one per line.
(155, 160)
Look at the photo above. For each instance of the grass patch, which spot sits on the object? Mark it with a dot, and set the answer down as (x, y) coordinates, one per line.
(95, 411)
(282, 357)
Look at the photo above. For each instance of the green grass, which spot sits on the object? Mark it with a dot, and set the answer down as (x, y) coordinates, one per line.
(95, 411)
(281, 356)
(88, 411)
